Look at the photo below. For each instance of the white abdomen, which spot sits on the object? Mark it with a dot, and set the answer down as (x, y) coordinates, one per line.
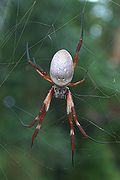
(61, 68)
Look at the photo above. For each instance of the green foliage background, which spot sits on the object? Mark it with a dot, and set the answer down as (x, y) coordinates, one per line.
(49, 26)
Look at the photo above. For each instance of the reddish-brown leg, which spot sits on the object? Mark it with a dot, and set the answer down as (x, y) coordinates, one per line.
(71, 112)
(80, 42)
(76, 83)
(40, 117)
(37, 69)
(78, 124)
(41, 114)
(72, 136)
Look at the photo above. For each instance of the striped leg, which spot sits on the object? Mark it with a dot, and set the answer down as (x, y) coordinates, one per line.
(79, 45)
(76, 83)
(78, 124)
(72, 136)
(41, 114)
(71, 112)
(37, 69)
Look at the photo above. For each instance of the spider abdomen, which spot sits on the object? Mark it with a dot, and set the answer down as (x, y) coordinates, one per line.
(61, 68)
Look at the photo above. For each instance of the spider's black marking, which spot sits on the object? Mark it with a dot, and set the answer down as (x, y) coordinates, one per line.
(60, 92)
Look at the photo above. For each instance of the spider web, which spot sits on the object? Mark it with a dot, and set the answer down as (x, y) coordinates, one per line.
(23, 91)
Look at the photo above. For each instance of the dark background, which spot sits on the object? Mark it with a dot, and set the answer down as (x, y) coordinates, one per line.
(49, 26)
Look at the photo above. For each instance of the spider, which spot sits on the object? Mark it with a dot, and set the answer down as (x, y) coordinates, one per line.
(61, 73)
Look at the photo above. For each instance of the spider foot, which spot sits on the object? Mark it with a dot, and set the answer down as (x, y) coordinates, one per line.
(32, 123)
(31, 61)
(35, 134)
(73, 158)
(27, 51)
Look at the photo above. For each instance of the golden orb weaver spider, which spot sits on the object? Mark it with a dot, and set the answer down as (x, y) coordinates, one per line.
(61, 73)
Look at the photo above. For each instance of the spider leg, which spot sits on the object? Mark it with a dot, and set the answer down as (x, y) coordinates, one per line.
(80, 41)
(71, 109)
(78, 124)
(32, 123)
(37, 69)
(76, 83)
(72, 136)
(41, 114)
(39, 124)
(71, 112)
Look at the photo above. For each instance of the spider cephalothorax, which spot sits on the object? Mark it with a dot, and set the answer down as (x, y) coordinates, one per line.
(60, 92)
(61, 73)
